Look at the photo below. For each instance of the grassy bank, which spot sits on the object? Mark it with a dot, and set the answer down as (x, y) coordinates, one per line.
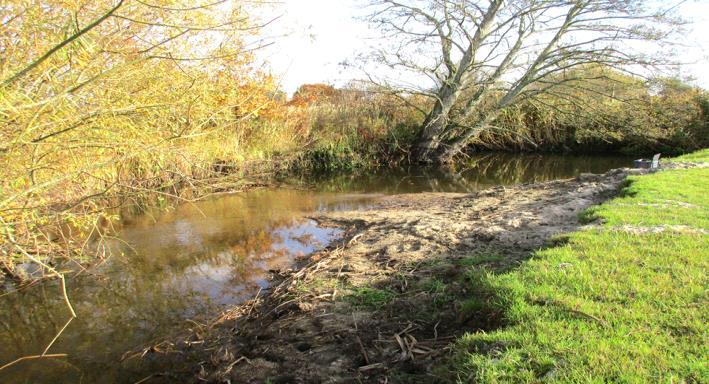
(701, 156)
(622, 302)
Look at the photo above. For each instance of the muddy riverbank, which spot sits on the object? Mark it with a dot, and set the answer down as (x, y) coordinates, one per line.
(384, 304)
(169, 269)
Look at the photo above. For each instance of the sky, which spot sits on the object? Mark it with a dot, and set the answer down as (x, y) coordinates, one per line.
(313, 37)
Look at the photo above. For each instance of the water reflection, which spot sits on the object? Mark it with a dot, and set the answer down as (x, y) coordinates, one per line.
(476, 173)
(166, 267)
(187, 263)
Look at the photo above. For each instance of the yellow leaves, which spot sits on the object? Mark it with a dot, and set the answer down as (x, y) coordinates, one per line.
(145, 98)
(313, 94)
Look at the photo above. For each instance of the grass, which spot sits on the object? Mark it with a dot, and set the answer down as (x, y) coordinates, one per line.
(318, 286)
(606, 305)
(482, 259)
(665, 198)
(701, 156)
(369, 297)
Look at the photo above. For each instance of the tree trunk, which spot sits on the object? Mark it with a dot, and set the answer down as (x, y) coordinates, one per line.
(444, 155)
(446, 151)
(429, 141)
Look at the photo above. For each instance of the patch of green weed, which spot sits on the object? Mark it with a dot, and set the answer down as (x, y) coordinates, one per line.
(369, 297)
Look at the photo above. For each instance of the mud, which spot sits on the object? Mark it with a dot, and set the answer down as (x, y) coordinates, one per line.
(386, 303)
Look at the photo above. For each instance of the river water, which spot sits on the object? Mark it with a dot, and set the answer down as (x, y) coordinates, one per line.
(169, 268)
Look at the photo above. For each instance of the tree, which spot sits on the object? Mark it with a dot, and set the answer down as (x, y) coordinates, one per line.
(313, 94)
(485, 56)
(100, 102)
(102, 99)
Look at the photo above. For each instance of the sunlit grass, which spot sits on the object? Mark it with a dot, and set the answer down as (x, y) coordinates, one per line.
(701, 156)
(666, 198)
(369, 297)
(608, 305)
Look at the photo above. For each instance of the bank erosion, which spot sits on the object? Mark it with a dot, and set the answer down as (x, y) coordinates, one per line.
(546, 282)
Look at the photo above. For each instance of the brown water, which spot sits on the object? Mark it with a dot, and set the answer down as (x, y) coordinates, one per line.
(169, 268)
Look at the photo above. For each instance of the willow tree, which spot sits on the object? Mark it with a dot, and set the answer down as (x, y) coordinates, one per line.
(483, 56)
(108, 98)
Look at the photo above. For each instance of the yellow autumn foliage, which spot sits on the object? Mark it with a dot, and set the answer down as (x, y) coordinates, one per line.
(112, 98)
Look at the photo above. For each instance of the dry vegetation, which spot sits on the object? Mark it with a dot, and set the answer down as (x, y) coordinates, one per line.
(104, 101)
(641, 116)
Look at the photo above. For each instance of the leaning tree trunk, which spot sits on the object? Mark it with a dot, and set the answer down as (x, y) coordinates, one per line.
(429, 141)
(431, 148)
(447, 150)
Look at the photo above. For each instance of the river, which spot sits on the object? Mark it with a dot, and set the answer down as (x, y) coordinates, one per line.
(170, 269)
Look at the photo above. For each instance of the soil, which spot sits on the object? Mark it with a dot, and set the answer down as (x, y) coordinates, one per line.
(385, 304)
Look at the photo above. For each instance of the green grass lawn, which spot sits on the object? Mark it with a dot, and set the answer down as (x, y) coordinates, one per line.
(608, 305)
(665, 198)
(694, 157)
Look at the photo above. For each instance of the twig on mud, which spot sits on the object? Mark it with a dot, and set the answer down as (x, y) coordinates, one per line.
(146, 378)
(371, 367)
(253, 302)
(402, 346)
(354, 239)
(409, 345)
(364, 351)
(280, 305)
(409, 327)
(235, 362)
